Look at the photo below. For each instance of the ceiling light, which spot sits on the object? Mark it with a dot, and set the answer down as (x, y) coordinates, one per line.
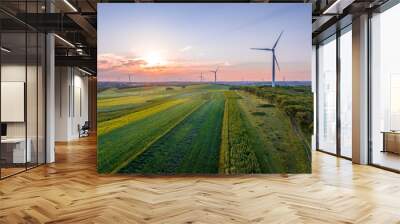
(338, 6)
(331, 7)
(79, 51)
(86, 72)
(70, 5)
(5, 50)
(64, 40)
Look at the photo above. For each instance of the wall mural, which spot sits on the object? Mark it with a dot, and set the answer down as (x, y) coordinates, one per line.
(204, 88)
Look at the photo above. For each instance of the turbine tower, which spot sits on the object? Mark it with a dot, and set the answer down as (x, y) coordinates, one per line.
(201, 77)
(274, 60)
(215, 74)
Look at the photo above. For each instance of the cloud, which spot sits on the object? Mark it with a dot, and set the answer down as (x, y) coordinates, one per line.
(187, 48)
(108, 61)
(123, 64)
(227, 63)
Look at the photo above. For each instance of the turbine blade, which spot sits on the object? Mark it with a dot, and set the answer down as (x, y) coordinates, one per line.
(276, 61)
(277, 40)
(262, 49)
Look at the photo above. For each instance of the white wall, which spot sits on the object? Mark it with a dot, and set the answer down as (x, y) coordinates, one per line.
(80, 110)
(33, 126)
(62, 82)
(50, 94)
(12, 73)
(314, 90)
(360, 89)
(16, 73)
(13, 101)
(71, 93)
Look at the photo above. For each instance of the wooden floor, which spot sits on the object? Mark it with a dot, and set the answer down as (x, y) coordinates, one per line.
(387, 159)
(70, 191)
(5, 172)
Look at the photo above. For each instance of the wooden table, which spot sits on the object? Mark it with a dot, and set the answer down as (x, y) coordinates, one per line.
(391, 141)
(13, 150)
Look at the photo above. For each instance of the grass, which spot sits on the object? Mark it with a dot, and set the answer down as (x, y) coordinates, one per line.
(190, 147)
(110, 125)
(110, 110)
(124, 92)
(121, 102)
(224, 150)
(124, 143)
(295, 101)
(282, 147)
(239, 154)
(124, 100)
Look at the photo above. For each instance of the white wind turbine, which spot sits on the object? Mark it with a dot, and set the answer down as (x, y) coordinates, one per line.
(274, 60)
(215, 74)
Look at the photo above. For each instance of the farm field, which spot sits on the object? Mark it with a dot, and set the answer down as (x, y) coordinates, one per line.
(197, 128)
(286, 151)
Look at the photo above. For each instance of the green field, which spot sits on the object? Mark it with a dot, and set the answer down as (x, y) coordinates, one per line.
(204, 129)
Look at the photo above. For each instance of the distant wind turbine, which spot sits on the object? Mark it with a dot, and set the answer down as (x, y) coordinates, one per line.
(201, 77)
(215, 74)
(274, 60)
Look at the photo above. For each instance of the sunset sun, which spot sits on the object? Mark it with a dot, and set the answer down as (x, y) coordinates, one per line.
(154, 59)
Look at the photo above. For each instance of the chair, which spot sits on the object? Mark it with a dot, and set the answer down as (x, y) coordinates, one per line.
(84, 130)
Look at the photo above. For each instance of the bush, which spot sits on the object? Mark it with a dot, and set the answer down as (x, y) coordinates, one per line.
(266, 105)
(295, 101)
(258, 113)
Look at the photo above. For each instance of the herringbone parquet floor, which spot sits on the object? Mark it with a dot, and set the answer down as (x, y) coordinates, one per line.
(70, 191)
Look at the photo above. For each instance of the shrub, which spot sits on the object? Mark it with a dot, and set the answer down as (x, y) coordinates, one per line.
(266, 105)
(259, 113)
(295, 101)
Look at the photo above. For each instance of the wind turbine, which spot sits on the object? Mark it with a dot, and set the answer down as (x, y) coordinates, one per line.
(201, 77)
(274, 60)
(215, 74)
